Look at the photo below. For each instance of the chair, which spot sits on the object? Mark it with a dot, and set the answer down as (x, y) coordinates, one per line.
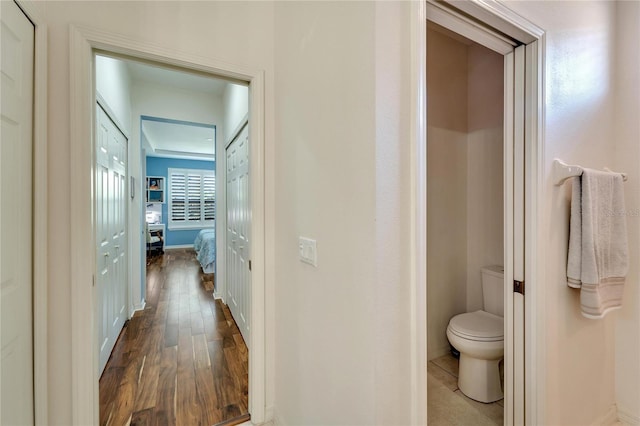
(154, 241)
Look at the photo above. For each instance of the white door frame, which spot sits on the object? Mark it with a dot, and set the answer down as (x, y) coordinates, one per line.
(84, 41)
(40, 213)
(495, 15)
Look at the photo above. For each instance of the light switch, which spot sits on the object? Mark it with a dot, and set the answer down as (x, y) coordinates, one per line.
(308, 251)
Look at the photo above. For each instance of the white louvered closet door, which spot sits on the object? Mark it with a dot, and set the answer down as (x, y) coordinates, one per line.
(238, 235)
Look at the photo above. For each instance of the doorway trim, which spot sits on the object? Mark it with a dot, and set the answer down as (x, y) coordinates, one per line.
(489, 13)
(40, 212)
(84, 41)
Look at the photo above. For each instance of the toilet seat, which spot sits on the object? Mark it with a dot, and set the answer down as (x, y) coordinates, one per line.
(478, 326)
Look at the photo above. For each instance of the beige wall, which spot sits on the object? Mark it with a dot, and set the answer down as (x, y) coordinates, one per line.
(342, 330)
(341, 175)
(579, 128)
(237, 32)
(447, 92)
(627, 148)
(464, 178)
(485, 195)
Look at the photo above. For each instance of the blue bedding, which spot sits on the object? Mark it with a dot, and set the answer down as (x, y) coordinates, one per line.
(197, 244)
(205, 247)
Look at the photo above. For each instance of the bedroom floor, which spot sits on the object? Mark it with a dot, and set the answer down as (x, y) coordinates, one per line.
(180, 361)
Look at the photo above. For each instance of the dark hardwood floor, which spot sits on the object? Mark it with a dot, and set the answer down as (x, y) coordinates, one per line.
(181, 361)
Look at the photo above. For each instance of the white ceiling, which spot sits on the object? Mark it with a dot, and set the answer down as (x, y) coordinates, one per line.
(167, 138)
(171, 138)
(183, 80)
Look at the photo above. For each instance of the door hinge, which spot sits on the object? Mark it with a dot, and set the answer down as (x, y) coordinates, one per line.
(249, 264)
(518, 287)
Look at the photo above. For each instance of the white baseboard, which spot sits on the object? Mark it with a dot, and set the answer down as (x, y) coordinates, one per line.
(608, 418)
(178, 246)
(627, 417)
(140, 306)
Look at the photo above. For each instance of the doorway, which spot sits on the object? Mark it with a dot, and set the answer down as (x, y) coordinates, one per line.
(517, 41)
(465, 228)
(84, 357)
(176, 119)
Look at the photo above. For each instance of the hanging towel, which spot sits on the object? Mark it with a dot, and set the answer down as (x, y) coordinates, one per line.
(598, 254)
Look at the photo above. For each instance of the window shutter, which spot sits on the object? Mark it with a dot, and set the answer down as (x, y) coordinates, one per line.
(177, 187)
(194, 192)
(192, 198)
(209, 196)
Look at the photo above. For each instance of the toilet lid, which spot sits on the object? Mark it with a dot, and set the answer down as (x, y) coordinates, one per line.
(478, 325)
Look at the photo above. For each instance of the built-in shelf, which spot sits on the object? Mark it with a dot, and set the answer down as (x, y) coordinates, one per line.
(155, 189)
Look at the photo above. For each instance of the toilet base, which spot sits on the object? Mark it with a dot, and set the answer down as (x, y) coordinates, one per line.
(479, 379)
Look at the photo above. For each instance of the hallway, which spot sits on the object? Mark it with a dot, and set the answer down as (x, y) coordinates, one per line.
(182, 359)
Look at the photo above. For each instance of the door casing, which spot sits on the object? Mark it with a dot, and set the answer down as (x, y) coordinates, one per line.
(492, 14)
(84, 42)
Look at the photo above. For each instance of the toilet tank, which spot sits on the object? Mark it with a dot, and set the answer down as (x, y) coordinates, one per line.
(493, 289)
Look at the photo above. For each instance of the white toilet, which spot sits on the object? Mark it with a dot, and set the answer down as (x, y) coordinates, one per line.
(479, 337)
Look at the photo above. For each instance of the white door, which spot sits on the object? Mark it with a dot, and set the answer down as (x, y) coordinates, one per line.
(16, 213)
(111, 237)
(238, 226)
(514, 236)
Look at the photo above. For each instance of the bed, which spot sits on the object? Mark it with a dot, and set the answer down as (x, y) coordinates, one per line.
(205, 247)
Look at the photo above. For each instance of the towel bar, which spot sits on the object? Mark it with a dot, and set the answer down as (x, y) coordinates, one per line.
(563, 171)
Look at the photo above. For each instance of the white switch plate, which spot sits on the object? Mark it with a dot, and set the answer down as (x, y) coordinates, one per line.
(308, 251)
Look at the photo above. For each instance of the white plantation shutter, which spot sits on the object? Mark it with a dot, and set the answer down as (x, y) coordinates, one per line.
(192, 198)
(209, 196)
(177, 197)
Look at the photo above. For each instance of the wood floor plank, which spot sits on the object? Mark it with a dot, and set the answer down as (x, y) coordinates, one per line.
(207, 396)
(143, 418)
(200, 352)
(171, 335)
(223, 383)
(188, 410)
(181, 360)
(126, 392)
(211, 329)
(235, 369)
(149, 374)
(166, 394)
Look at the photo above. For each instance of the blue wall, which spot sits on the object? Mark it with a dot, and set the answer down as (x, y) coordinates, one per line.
(158, 167)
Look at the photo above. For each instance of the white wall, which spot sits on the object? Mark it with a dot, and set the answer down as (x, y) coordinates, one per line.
(239, 33)
(447, 116)
(342, 333)
(153, 99)
(236, 107)
(579, 128)
(627, 149)
(113, 83)
(485, 195)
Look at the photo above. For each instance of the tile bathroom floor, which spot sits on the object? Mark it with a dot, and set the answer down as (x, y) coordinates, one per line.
(447, 405)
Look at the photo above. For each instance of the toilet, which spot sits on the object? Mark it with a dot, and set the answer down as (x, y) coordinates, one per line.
(479, 337)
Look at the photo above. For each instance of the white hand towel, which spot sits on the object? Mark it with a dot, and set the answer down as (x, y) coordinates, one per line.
(601, 241)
